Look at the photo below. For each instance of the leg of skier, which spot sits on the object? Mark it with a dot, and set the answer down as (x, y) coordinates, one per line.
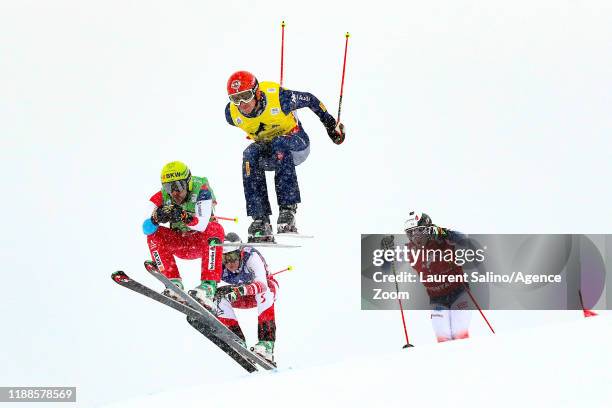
(211, 263)
(228, 318)
(266, 322)
(460, 317)
(256, 191)
(440, 320)
(288, 152)
(163, 245)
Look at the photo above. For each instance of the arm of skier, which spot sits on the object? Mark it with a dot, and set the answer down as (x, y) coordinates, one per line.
(151, 224)
(260, 281)
(294, 100)
(228, 115)
(203, 211)
(452, 236)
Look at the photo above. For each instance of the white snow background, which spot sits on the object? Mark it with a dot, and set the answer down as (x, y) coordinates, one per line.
(518, 369)
(493, 117)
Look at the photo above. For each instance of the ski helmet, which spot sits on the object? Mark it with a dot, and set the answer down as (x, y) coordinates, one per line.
(417, 219)
(241, 87)
(176, 176)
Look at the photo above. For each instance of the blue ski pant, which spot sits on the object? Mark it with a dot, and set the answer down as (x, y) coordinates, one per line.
(280, 155)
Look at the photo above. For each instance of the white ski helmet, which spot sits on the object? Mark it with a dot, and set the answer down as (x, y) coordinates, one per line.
(417, 219)
(231, 238)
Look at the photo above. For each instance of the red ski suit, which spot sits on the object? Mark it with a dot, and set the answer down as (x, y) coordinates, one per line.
(166, 243)
(435, 265)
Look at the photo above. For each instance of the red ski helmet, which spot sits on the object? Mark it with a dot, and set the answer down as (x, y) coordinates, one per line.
(241, 81)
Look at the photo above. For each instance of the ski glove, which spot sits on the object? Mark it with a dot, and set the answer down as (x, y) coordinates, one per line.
(230, 292)
(336, 133)
(178, 214)
(161, 215)
(387, 242)
(170, 213)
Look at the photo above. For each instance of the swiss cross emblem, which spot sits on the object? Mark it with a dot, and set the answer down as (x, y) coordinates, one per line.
(235, 84)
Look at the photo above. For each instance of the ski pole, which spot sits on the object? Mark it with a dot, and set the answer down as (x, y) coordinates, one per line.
(282, 51)
(478, 306)
(400, 305)
(218, 217)
(586, 312)
(289, 268)
(347, 35)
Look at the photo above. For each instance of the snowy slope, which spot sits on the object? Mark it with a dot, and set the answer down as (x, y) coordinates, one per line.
(565, 364)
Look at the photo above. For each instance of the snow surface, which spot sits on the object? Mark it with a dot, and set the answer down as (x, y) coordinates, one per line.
(493, 117)
(562, 365)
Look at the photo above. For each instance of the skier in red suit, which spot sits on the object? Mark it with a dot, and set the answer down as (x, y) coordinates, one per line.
(450, 315)
(186, 203)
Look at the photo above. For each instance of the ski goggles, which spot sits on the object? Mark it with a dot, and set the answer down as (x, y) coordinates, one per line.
(230, 257)
(244, 96)
(178, 185)
(418, 232)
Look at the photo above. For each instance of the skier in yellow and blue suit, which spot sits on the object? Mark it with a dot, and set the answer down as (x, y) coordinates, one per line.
(266, 112)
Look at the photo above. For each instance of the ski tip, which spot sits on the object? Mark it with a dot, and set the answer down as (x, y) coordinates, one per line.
(150, 266)
(120, 276)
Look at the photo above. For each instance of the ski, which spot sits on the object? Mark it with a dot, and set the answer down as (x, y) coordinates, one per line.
(257, 245)
(209, 319)
(122, 279)
(292, 235)
(204, 330)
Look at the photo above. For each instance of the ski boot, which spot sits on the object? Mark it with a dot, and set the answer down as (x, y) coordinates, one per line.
(204, 294)
(172, 294)
(264, 349)
(260, 230)
(286, 219)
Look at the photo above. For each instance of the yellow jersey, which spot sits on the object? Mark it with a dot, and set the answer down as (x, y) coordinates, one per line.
(271, 123)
